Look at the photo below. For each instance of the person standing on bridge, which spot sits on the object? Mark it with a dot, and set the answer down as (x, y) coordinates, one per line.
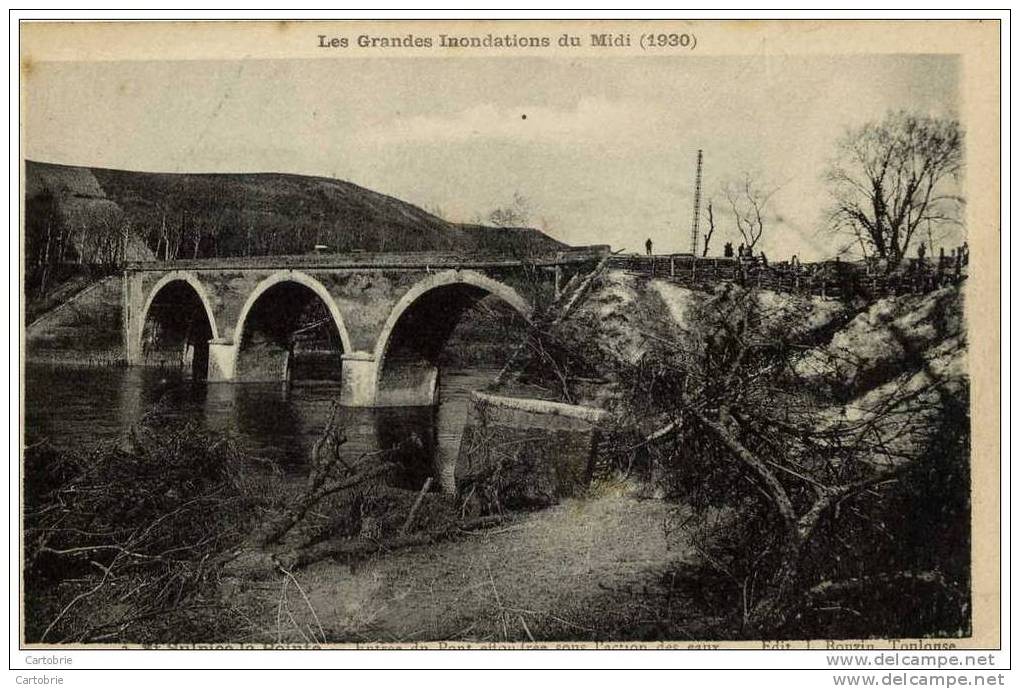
(648, 246)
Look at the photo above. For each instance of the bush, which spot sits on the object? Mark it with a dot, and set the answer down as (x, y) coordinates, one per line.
(820, 519)
(121, 540)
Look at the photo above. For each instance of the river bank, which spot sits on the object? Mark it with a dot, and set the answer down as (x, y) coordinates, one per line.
(586, 569)
(609, 563)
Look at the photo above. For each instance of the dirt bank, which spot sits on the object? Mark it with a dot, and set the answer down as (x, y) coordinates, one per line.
(584, 569)
(84, 329)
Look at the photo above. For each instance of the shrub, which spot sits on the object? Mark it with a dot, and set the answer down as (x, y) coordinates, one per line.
(122, 539)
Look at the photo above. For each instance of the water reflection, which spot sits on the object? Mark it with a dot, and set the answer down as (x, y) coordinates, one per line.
(74, 407)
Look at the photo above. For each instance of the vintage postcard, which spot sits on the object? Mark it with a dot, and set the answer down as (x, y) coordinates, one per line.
(510, 334)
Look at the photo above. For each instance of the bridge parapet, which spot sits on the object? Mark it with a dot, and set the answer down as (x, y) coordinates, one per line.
(377, 261)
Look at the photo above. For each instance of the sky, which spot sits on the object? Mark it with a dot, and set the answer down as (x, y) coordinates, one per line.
(603, 149)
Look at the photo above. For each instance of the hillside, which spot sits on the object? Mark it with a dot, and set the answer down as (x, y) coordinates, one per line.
(80, 221)
(191, 215)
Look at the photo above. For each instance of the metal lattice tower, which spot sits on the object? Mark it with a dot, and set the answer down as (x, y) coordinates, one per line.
(697, 207)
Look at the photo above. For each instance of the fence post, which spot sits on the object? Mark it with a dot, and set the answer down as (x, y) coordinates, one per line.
(672, 266)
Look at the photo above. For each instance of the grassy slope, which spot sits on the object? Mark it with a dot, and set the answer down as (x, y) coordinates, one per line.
(86, 328)
(287, 213)
(245, 214)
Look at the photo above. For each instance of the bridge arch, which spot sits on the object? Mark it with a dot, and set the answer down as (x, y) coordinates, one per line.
(281, 278)
(443, 279)
(182, 276)
(195, 344)
(448, 303)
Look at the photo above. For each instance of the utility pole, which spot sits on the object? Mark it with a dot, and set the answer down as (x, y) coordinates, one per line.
(697, 207)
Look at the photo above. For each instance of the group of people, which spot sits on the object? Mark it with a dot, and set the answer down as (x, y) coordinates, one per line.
(953, 263)
(960, 255)
(744, 253)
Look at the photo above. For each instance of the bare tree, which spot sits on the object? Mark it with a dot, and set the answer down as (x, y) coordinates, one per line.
(749, 200)
(169, 234)
(892, 177)
(516, 214)
(711, 229)
(45, 235)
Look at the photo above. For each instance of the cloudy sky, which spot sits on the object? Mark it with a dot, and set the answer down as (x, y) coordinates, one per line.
(602, 148)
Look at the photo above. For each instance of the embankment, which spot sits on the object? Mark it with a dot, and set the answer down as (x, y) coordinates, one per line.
(84, 330)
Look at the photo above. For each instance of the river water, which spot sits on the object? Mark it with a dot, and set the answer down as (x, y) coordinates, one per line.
(73, 407)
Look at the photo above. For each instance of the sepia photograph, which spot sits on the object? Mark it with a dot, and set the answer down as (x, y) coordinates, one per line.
(509, 335)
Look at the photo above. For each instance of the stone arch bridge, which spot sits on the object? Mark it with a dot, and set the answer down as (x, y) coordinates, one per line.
(386, 315)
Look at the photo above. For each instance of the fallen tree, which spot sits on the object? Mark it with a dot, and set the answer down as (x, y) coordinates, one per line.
(133, 541)
(351, 549)
(804, 492)
(811, 479)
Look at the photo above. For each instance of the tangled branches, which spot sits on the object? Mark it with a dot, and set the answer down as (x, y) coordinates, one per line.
(121, 535)
(811, 441)
(811, 484)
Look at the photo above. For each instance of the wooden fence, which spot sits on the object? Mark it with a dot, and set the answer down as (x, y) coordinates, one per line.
(834, 279)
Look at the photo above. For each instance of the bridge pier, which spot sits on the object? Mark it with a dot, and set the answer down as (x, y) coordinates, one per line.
(403, 384)
(222, 357)
(357, 380)
(132, 306)
(133, 349)
(408, 384)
